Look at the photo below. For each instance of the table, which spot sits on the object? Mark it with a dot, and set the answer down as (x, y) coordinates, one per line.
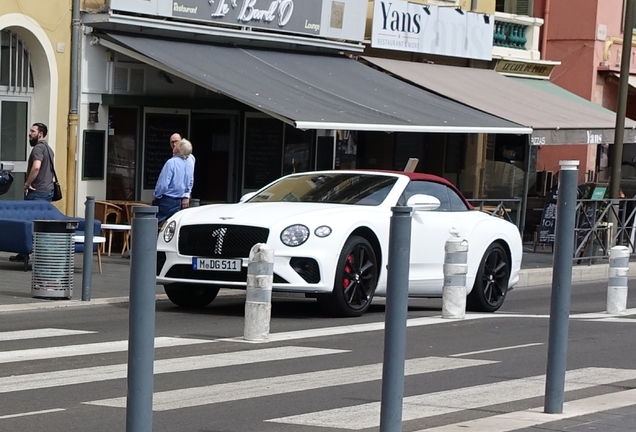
(117, 227)
(96, 240)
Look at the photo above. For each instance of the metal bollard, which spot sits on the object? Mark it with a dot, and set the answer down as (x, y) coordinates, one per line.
(87, 270)
(561, 287)
(617, 283)
(195, 202)
(141, 327)
(455, 269)
(258, 300)
(397, 304)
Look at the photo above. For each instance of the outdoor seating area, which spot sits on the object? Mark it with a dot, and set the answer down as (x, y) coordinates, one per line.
(116, 217)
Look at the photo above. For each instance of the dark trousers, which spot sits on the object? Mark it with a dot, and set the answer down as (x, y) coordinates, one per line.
(167, 207)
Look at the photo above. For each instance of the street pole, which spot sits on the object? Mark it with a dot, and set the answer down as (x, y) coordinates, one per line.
(561, 286)
(141, 327)
(621, 108)
(89, 227)
(397, 297)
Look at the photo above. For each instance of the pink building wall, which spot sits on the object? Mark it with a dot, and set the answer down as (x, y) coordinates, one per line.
(574, 39)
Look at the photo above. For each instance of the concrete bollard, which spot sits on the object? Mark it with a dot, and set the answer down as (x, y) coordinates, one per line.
(455, 269)
(258, 300)
(617, 283)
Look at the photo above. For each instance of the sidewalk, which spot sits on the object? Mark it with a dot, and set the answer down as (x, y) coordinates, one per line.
(113, 284)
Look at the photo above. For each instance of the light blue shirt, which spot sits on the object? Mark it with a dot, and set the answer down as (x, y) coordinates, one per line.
(192, 161)
(176, 179)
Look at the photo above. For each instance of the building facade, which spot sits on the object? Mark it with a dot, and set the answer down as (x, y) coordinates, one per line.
(35, 50)
(590, 57)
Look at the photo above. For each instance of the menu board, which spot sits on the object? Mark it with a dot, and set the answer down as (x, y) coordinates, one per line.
(263, 151)
(157, 150)
(548, 218)
(93, 155)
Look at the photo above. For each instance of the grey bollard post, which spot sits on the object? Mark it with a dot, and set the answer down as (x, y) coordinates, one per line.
(617, 282)
(455, 270)
(395, 320)
(561, 286)
(141, 328)
(195, 202)
(258, 300)
(87, 270)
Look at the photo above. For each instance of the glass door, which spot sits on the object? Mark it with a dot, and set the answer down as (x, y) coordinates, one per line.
(13, 143)
(122, 147)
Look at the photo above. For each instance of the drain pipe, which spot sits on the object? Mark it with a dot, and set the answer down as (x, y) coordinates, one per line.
(71, 150)
(544, 32)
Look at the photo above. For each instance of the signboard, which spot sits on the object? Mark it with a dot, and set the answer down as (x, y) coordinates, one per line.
(298, 17)
(507, 67)
(339, 19)
(548, 219)
(412, 27)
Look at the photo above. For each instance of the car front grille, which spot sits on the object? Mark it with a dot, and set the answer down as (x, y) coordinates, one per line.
(220, 241)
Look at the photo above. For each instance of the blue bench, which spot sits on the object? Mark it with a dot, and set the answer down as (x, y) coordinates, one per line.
(16, 225)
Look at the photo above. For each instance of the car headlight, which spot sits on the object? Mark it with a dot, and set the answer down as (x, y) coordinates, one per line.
(322, 231)
(294, 235)
(168, 232)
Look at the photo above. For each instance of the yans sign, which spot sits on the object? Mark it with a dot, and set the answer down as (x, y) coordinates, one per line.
(412, 27)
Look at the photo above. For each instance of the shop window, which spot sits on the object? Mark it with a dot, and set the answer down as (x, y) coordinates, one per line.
(298, 150)
(13, 130)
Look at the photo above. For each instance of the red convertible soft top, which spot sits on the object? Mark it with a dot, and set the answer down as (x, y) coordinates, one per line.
(429, 177)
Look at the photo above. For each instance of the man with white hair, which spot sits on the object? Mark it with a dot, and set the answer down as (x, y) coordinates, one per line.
(174, 141)
(175, 181)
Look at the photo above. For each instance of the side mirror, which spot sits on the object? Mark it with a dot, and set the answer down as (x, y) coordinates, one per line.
(247, 196)
(422, 202)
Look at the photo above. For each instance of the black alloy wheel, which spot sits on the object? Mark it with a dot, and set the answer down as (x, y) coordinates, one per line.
(191, 295)
(491, 283)
(355, 281)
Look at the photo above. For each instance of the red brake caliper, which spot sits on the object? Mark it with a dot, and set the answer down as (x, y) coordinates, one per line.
(346, 281)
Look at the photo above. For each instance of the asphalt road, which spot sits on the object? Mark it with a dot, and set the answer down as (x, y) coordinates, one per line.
(65, 369)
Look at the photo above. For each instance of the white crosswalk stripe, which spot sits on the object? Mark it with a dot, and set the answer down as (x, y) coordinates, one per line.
(39, 333)
(87, 349)
(446, 402)
(197, 396)
(181, 364)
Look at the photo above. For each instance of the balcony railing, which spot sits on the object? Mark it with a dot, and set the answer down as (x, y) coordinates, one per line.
(516, 36)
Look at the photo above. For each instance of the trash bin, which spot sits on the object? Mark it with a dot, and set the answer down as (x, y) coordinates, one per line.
(53, 258)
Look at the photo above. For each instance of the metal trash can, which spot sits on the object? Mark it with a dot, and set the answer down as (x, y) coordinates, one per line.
(53, 258)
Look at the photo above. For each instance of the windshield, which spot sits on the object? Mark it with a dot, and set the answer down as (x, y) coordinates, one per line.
(334, 188)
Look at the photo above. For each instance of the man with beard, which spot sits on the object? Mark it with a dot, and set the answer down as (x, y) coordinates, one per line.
(39, 181)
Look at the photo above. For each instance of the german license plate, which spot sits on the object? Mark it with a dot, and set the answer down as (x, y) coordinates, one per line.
(217, 264)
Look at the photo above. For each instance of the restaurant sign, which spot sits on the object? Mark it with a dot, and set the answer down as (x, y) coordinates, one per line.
(430, 29)
(300, 16)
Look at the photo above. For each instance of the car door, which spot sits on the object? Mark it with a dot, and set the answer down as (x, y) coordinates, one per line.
(429, 232)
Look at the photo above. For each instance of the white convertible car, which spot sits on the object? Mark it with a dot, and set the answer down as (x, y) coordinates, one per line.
(330, 235)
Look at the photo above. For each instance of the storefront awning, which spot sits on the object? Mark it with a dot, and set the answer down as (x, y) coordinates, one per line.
(310, 91)
(555, 115)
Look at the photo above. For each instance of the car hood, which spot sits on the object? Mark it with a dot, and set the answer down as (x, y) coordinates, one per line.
(266, 214)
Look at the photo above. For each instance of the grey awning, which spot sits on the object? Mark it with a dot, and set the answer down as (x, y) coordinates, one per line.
(555, 115)
(311, 91)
